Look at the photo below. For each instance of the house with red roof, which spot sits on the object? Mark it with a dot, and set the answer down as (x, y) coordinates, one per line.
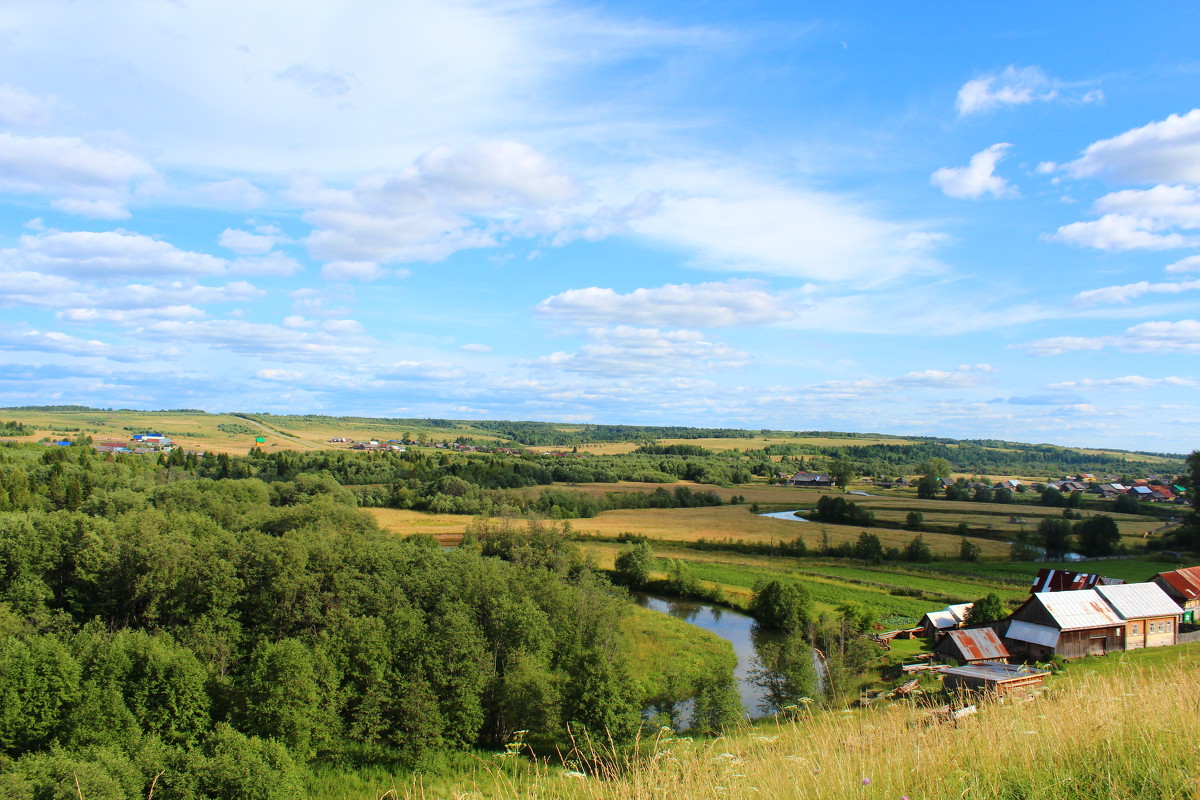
(1182, 586)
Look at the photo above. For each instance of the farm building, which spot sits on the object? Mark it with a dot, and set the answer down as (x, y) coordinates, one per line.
(1067, 624)
(1151, 617)
(996, 679)
(1063, 580)
(951, 617)
(811, 479)
(972, 646)
(1182, 586)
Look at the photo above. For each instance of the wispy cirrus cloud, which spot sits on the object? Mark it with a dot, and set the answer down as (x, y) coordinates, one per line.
(1182, 336)
(1128, 383)
(626, 350)
(1018, 86)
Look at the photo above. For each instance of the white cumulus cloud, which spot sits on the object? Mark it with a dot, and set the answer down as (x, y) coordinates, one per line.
(977, 178)
(1166, 151)
(92, 181)
(1121, 232)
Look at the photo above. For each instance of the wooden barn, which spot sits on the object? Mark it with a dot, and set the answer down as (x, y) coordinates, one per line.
(1068, 624)
(973, 646)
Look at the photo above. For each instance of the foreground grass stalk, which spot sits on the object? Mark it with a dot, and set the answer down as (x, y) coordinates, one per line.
(1129, 733)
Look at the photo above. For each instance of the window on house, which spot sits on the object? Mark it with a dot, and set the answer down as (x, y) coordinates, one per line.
(1168, 626)
(1135, 629)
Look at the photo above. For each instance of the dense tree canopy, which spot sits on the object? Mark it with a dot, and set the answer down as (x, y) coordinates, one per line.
(227, 628)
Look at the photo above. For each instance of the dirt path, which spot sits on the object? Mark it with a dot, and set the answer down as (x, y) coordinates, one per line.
(285, 437)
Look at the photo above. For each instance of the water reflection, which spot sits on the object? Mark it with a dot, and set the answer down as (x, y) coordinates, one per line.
(733, 626)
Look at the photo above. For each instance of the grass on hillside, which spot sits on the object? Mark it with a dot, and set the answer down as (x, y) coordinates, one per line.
(1107, 728)
(190, 430)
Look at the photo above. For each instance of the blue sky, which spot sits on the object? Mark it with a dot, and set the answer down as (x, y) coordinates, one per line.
(960, 221)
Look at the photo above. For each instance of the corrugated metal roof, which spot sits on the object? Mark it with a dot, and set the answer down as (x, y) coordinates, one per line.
(994, 672)
(1139, 600)
(981, 643)
(1078, 610)
(1186, 581)
(941, 619)
(1035, 634)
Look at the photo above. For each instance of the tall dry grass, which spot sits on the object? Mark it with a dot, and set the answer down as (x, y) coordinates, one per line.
(1131, 733)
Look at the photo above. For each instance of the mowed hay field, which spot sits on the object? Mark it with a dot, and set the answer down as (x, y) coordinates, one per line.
(722, 523)
(447, 528)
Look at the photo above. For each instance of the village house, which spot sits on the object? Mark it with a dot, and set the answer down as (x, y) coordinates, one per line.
(1183, 587)
(1091, 622)
(1151, 617)
(972, 646)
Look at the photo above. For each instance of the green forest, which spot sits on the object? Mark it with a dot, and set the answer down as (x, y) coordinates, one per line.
(233, 632)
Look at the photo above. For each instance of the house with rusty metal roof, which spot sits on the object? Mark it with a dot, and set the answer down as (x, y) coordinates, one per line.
(1182, 586)
(1068, 624)
(972, 646)
(1151, 617)
(1064, 580)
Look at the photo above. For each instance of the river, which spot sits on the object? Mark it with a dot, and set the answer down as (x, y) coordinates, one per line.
(732, 626)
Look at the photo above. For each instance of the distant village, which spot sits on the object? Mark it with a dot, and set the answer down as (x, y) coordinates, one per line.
(1068, 615)
(1154, 489)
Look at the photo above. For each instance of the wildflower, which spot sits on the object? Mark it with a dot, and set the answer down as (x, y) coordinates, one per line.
(866, 781)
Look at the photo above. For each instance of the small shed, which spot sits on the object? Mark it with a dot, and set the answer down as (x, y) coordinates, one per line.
(1001, 680)
(953, 616)
(974, 646)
